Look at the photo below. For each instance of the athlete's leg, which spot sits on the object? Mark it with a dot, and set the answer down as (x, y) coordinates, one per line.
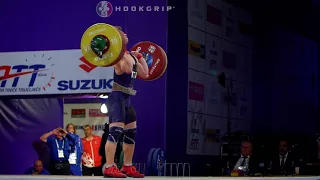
(130, 130)
(116, 119)
(129, 142)
(115, 131)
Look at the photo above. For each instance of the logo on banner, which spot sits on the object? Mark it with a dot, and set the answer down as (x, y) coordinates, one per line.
(196, 49)
(96, 113)
(229, 60)
(195, 11)
(213, 15)
(213, 56)
(212, 64)
(195, 144)
(229, 18)
(95, 127)
(196, 91)
(85, 84)
(26, 77)
(212, 135)
(197, 122)
(78, 113)
(213, 51)
(105, 9)
(229, 31)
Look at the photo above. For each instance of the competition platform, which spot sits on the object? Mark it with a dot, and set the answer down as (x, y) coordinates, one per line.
(30, 177)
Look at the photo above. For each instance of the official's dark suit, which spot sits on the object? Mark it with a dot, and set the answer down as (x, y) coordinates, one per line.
(253, 164)
(285, 169)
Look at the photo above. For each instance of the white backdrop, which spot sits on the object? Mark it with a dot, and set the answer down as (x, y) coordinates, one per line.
(85, 114)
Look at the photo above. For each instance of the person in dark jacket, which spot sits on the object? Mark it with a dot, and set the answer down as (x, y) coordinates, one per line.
(103, 144)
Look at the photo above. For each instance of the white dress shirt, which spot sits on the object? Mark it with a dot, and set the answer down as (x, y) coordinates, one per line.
(285, 158)
(239, 162)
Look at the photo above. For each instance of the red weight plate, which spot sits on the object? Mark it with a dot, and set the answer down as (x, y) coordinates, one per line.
(155, 58)
(165, 54)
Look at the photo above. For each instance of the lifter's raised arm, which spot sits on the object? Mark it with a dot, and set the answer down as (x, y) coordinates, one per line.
(142, 67)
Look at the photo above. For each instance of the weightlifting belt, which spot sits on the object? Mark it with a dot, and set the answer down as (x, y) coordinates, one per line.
(126, 90)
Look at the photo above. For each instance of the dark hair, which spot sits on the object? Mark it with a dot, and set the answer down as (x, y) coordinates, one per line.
(86, 126)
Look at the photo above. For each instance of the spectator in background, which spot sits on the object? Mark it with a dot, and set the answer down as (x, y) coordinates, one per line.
(75, 151)
(282, 162)
(91, 160)
(43, 152)
(246, 159)
(103, 145)
(59, 150)
(37, 169)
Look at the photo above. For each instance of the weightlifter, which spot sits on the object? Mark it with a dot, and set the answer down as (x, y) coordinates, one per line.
(122, 115)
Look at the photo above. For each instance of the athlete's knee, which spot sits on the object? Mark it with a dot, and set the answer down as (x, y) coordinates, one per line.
(115, 133)
(129, 135)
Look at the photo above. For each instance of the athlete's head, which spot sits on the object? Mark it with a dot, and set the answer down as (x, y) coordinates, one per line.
(126, 39)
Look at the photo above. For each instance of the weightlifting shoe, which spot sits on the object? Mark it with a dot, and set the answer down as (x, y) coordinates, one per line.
(131, 171)
(113, 172)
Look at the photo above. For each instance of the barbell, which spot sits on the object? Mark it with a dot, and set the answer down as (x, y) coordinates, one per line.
(103, 45)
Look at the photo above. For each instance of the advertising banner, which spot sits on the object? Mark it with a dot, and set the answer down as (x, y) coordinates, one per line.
(203, 134)
(51, 72)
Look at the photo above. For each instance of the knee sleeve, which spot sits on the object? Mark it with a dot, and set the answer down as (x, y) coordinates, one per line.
(129, 136)
(115, 134)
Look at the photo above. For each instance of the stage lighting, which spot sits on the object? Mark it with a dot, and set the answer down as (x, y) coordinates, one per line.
(104, 108)
(103, 96)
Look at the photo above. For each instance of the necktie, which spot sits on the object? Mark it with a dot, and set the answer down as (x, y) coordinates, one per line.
(282, 161)
(243, 164)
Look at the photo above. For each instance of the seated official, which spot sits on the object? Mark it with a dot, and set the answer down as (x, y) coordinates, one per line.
(43, 152)
(59, 150)
(246, 161)
(37, 169)
(282, 163)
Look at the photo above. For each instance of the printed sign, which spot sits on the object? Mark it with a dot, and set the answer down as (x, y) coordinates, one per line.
(96, 113)
(51, 72)
(196, 49)
(78, 113)
(214, 15)
(196, 91)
